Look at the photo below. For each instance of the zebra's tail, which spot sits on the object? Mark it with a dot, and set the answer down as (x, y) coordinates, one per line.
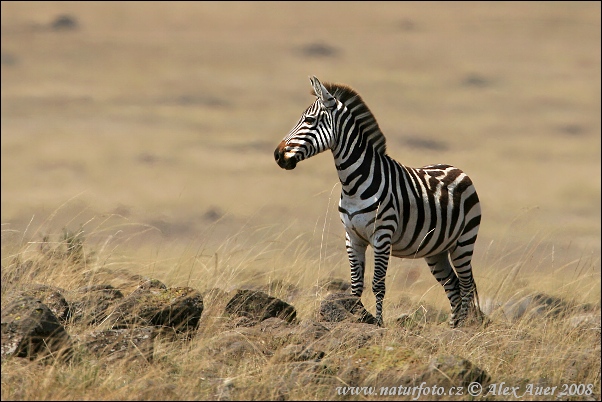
(476, 313)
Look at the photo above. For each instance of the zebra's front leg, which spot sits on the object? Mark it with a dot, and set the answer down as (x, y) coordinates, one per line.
(357, 261)
(382, 252)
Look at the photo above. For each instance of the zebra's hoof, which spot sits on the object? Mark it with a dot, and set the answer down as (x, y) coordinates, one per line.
(456, 323)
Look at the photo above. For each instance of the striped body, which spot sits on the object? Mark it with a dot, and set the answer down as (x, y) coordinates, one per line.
(431, 212)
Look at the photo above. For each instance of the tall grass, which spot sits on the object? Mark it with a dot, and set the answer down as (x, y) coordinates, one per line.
(546, 350)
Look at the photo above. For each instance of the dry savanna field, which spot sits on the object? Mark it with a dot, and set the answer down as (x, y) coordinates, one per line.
(140, 136)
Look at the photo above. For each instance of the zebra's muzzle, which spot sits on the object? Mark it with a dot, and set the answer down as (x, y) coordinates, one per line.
(284, 161)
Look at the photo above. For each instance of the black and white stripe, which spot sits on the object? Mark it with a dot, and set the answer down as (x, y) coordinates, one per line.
(431, 212)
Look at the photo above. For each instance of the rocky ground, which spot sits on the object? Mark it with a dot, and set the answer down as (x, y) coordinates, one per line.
(249, 344)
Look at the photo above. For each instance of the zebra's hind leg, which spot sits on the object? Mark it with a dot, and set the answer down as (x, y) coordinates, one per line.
(445, 275)
(461, 257)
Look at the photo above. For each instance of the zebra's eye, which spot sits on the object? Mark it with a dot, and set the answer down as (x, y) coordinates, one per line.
(310, 120)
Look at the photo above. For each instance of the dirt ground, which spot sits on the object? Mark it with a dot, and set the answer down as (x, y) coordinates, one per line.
(157, 122)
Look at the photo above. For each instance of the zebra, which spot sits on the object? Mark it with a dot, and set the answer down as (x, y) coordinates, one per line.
(432, 212)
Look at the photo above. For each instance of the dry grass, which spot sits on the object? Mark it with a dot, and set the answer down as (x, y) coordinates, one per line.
(152, 127)
(546, 350)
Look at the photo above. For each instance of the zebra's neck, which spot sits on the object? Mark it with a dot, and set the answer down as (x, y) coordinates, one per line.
(358, 154)
(359, 146)
(353, 119)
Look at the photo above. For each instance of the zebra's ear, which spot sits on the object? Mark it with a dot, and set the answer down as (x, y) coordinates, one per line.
(322, 93)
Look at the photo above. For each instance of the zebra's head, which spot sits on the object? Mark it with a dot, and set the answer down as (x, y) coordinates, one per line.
(312, 134)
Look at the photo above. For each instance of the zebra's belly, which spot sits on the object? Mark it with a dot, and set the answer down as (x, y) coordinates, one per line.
(401, 247)
(409, 253)
(362, 227)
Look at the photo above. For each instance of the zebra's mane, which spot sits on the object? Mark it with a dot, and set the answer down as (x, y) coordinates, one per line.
(350, 98)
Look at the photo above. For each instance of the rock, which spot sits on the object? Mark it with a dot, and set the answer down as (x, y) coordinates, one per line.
(148, 283)
(178, 308)
(275, 333)
(337, 307)
(453, 371)
(91, 304)
(258, 306)
(52, 297)
(310, 330)
(229, 347)
(585, 321)
(532, 305)
(30, 329)
(298, 353)
(114, 344)
(274, 324)
(535, 305)
(272, 332)
(242, 322)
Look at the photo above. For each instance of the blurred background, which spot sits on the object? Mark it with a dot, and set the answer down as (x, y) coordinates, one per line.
(154, 124)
